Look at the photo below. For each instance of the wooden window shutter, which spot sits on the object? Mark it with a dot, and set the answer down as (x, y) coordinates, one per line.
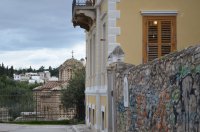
(166, 37)
(152, 40)
(159, 35)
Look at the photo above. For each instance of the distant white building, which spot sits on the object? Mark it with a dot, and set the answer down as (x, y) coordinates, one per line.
(31, 81)
(31, 77)
(41, 74)
(21, 77)
(36, 79)
(17, 77)
(47, 74)
(29, 74)
(53, 78)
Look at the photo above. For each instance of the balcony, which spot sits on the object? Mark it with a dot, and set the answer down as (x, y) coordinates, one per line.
(83, 13)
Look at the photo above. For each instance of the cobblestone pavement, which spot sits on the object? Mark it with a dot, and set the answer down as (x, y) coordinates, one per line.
(35, 128)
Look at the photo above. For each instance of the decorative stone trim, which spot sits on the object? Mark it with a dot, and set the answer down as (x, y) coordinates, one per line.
(103, 108)
(96, 90)
(90, 105)
(117, 55)
(113, 30)
(158, 13)
(99, 2)
(93, 106)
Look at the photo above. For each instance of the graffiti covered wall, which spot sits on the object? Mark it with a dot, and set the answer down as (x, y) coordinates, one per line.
(164, 95)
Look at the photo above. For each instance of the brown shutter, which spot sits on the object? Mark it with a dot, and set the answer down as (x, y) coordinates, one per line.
(166, 37)
(152, 40)
(159, 33)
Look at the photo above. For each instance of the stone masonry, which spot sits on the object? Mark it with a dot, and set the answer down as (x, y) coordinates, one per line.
(163, 95)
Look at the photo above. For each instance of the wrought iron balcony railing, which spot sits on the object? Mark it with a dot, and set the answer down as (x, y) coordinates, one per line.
(83, 13)
(82, 3)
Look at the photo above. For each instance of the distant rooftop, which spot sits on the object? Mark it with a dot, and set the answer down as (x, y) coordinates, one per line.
(50, 85)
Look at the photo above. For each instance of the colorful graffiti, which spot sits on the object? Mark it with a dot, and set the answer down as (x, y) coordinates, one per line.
(162, 102)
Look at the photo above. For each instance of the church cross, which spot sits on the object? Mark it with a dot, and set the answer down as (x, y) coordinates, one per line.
(72, 54)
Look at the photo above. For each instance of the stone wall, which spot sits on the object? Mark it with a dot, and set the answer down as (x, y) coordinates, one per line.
(163, 95)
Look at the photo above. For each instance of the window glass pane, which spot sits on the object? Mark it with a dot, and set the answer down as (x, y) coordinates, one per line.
(102, 127)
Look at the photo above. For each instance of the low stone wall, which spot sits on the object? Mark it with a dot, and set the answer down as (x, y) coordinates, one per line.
(163, 95)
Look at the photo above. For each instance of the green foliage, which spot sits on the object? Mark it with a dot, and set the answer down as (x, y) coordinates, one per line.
(73, 96)
(17, 96)
(6, 71)
(41, 69)
(30, 69)
(53, 71)
(62, 122)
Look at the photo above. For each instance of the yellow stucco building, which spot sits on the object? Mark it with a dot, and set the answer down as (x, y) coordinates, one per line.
(143, 29)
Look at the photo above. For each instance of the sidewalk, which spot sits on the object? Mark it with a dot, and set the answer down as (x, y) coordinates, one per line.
(8, 127)
(81, 128)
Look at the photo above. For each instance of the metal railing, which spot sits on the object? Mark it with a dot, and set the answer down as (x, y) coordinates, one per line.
(82, 3)
(31, 106)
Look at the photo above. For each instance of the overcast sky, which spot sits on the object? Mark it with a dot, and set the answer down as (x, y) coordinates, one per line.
(38, 33)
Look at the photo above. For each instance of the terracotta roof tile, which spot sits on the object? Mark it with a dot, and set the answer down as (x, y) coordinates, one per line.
(50, 85)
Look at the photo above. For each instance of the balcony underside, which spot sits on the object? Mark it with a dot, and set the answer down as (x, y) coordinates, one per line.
(83, 18)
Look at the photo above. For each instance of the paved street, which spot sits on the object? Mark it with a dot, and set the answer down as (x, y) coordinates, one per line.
(35, 128)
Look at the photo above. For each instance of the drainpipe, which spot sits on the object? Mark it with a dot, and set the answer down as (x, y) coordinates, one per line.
(98, 69)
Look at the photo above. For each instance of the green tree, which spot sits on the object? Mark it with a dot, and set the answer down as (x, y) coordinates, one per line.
(16, 96)
(30, 69)
(41, 69)
(11, 72)
(73, 96)
(50, 68)
(2, 69)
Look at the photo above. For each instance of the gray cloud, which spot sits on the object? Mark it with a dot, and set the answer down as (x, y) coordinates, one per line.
(36, 24)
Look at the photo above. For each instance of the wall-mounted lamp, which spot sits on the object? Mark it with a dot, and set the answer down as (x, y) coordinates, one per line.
(155, 22)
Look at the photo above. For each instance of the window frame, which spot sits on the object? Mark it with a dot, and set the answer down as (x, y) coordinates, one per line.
(146, 19)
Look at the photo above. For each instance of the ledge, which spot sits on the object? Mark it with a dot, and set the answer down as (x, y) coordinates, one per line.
(159, 13)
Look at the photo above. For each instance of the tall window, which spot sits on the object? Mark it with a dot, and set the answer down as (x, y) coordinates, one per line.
(102, 121)
(93, 116)
(159, 36)
(90, 57)
(94, 55)
(89, 114)
(103, 67)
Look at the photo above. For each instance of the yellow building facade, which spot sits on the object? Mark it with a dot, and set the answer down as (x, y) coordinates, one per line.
(133, 12)
(143, 29)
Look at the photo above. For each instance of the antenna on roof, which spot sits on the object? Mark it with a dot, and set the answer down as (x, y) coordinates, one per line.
(72, 54)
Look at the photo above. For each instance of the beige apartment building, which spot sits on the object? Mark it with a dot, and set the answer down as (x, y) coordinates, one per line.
(142, 30)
